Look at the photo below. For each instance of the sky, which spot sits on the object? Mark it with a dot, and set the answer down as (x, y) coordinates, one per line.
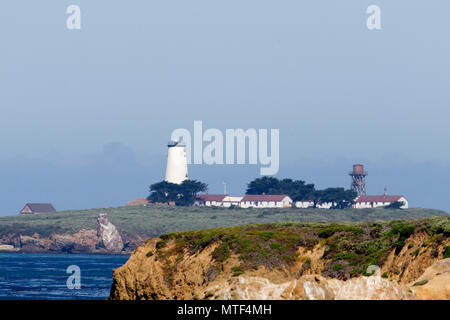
(85, 115)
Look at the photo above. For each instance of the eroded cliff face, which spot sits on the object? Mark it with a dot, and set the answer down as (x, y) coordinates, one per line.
(175, 268)
(105, 240)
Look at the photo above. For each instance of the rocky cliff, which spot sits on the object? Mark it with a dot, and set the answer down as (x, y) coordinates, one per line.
(385, 260)
(105, 240)
(108, 236)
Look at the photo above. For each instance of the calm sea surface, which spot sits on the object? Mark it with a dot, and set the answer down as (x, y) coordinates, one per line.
(44, 276)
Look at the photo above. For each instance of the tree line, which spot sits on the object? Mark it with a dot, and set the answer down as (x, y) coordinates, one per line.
(298, 190)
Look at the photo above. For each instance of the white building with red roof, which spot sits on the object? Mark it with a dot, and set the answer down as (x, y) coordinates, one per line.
(363, 202)
(217, 200)
(248, 201)
(284, 201)
(266, 201)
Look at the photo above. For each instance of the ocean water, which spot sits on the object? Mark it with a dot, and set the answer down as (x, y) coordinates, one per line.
(44, 276)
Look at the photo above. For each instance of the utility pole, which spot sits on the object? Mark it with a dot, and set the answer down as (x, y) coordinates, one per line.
(224, 187)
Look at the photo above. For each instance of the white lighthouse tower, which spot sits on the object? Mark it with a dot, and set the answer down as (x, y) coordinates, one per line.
(176, 170)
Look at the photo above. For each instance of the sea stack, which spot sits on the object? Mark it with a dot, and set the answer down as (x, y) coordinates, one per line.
(108, 236)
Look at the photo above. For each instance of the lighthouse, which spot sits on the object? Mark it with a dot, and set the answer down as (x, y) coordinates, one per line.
(176, 169)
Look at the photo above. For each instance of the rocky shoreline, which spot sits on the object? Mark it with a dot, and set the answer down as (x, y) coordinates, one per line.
(105, 240)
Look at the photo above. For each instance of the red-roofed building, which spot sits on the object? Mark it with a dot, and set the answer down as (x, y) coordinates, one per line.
(217, 200)
(248, 201)
(211, 197)
(266, 201)
(363, 202)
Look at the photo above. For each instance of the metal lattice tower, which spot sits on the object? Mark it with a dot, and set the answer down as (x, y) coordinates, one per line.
(358, 179)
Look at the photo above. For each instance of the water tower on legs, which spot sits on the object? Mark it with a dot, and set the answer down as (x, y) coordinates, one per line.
(176, 169)
(358, 176)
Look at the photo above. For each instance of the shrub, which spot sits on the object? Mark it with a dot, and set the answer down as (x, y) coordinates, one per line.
(328, 231)
(403, 231)
(161, 244)
(246, 246)
(266, 235)
(237, 271)
(204, 240)
(446, 252)
(149, 254)
(338, 267)
(275, 246)
(348, 256)
(439, 226)
(355, 271)
(354, 230)
(180, 243)
(420, 283)
(222, 252)
(168, 236)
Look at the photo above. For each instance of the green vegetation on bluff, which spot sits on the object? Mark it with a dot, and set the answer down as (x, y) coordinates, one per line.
(147, 222)
(349, 247)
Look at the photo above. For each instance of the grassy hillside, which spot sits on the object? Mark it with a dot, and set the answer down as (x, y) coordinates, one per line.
(152, 221)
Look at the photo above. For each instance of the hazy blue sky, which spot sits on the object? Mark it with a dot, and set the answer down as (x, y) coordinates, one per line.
(86, 114)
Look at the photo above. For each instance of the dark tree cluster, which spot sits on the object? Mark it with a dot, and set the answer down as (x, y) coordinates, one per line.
(298, 190)
(343, 198)
(395, 205)
(181, 194)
